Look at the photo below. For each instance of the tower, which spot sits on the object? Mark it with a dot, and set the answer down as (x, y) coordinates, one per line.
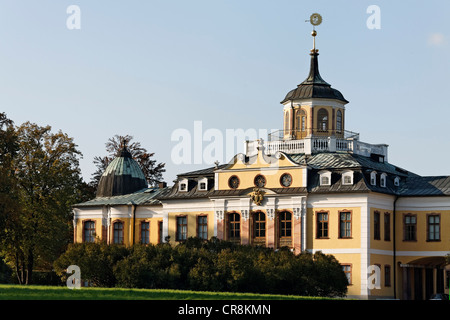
(314, 108)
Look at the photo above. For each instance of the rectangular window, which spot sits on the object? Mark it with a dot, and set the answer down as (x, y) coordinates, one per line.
(434, 227)
(234, 227)
(387, 276)
(181, 233)
(89, 231)
(376, 225)
(145, 232)
(202, 227)
(160, 232)
(322, 225)
(118, 233)
(348, 272)
(387, 226)
(345, 225)
(285, 224)
(410, 227)
(259, 225)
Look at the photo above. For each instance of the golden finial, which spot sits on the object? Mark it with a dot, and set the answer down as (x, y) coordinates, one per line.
(315, 19)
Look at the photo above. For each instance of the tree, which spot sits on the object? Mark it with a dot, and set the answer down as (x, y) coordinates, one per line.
(8, 188)
(152, 170)
(47, 182)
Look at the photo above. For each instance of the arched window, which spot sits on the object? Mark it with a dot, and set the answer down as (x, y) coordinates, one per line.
(339, 121)
(286, 122)
(118, 232)
(89, 231)
(322, 120)
(301, 121)
(234, 227)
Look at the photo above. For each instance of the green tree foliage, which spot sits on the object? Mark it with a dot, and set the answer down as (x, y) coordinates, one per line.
(212, 265)
(152, 170)
(43, 181)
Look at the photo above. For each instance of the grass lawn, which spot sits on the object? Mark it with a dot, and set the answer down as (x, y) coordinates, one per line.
(18, 292)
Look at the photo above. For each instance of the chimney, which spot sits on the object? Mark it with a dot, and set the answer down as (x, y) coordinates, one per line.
(162, 184)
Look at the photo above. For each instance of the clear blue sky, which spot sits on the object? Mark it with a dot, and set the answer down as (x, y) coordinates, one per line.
(147, 68)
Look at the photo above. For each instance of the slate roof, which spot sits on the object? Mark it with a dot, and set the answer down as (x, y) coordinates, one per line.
(426, 186)
(410, 183)
(314, 86)
(147, 196)
(345, 160)
(201, 172)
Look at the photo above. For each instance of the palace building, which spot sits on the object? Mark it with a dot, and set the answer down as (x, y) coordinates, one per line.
(311, 186)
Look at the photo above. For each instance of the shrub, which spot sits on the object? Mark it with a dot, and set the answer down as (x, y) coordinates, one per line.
(213, 265)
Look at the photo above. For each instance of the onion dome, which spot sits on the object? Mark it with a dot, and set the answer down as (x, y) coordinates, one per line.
(122, 176)
(314, 86)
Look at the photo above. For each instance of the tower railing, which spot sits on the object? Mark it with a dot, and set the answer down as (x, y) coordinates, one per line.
(345, 141)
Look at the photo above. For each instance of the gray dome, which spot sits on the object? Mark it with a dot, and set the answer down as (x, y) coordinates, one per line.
(122, 176)
(314, 86)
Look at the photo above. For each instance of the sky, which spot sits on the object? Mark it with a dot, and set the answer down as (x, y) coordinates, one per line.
(152, 69)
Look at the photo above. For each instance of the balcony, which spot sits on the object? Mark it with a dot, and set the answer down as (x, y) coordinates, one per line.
(346, 141)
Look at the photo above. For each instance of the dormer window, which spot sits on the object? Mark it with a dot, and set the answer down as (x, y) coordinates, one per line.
(383, 180)
(203, 184)
(325, 178)
(397, 181)
(347, 177)
(373, 178)
(183, 186)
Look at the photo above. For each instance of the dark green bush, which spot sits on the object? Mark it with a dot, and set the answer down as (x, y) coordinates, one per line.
(212, 265)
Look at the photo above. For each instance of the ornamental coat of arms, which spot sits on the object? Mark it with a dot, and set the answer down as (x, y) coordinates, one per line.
(257, 196)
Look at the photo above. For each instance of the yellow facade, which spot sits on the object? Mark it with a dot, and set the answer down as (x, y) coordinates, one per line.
(272, 172)
(295, 126)
(333, 240)
(192, 224)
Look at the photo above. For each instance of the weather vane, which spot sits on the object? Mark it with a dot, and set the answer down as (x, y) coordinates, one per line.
(315, 19)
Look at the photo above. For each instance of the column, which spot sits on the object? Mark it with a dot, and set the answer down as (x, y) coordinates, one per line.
(245, 227)
(220, 225)
(270, 228)
(297, 231)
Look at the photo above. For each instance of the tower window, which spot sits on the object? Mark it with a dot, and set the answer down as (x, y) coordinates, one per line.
(286, 122)
(339, 121)
(301, 121)
(322, 120)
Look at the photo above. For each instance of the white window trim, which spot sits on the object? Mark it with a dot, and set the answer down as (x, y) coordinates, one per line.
(325, 174)
(373, 178)
(205, 181)
(383, 180)
(347, 173)
(185, 182)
